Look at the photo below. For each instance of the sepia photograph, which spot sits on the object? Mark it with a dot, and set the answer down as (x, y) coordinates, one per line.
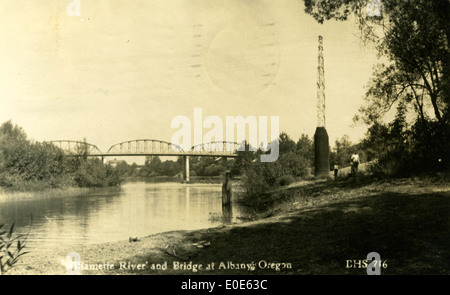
(208, 138)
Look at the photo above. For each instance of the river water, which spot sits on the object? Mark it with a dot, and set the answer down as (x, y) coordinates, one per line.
(137, 209)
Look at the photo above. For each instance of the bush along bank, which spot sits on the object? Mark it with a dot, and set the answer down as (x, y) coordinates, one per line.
(29, 165)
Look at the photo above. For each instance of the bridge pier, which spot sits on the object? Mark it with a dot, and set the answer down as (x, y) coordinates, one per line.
(186, 168)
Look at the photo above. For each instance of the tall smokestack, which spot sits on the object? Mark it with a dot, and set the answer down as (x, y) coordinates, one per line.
(321, 152)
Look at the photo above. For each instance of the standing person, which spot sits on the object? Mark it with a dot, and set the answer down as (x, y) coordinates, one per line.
(336, 169)
(354, 162)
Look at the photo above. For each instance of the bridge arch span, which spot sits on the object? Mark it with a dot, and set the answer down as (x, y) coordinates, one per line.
(225, 148)
(76, 147)
(145, 147)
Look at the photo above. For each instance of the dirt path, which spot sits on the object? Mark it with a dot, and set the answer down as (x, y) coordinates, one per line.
(316, 229)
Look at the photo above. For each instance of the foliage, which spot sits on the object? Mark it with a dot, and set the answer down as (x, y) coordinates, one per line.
(342, 151)
(11, 248)
(294, 161)
(123, 169)
(29, 165)
(155, 167)
(305, 147)
(92, 173)
(403, 150)
(429, 147)
(208, 166)
(243, 160)
(199, 166)
(256, 180)
(24, 163)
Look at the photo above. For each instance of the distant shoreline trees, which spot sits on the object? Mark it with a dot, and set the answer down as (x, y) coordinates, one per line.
(30, 165)
(154, 167)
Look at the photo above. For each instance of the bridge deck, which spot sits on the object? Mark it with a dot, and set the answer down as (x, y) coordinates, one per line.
(199, 154)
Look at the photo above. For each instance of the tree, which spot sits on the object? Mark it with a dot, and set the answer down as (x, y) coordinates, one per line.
(244, 160)
(305, 147)
(83, 149)
(343, 149)
(23, 162)
(30, 165)
(123, 169)
(133, 169)
(170, 168)
(92, 173)
(154, 165)
(286, 144)
(390, 145)
(9, 131)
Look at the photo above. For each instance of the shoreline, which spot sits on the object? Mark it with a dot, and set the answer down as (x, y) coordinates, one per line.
(314, 232)
(6, 195)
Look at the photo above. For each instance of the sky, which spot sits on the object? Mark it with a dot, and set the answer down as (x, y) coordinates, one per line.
(124, 69)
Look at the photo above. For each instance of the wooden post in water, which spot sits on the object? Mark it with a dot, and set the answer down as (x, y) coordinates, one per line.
(227, 189)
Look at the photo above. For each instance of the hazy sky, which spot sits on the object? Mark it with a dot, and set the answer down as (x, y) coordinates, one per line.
(124, 68)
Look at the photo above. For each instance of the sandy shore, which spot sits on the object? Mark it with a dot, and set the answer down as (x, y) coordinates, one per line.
(314, 230)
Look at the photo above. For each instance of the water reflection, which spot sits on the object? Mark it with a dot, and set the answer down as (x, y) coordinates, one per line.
(137, 209)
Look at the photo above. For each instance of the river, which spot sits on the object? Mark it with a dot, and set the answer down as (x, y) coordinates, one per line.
(136, 209)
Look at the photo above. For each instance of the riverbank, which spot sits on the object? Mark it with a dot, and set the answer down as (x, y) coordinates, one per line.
(70, 191)
(311, 229)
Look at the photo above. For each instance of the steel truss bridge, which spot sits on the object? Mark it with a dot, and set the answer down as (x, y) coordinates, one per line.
(149, 147)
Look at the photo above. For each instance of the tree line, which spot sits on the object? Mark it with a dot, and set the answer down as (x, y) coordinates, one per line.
(29, 165)
(154, 166)
(295, 162)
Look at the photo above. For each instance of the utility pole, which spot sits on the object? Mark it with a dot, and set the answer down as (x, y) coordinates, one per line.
(321, 145)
